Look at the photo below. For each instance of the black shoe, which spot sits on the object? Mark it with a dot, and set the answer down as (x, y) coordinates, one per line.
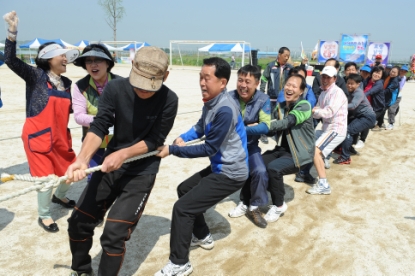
(353, 151)
(264, 139)
(256, 217)
(53, 228)
(305, 178)
(69, 204)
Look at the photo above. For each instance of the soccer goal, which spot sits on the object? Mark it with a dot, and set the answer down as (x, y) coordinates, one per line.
(192, 52)
(122, 51)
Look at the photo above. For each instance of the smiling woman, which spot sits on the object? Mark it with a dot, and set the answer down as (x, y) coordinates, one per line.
(46, 138)
(98, 62)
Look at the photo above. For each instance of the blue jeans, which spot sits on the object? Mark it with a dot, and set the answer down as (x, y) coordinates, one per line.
(357, 125)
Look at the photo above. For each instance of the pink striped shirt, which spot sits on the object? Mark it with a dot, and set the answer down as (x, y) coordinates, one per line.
(79, 106)
(332, 109)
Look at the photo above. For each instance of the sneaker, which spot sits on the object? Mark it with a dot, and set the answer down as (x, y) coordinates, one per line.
(172, 269)
(305, 178)
(326, 163)
(264, 139)
(256, 217)
(376, 128)
(319, 189)
(206, 243)
(360, 144)
(238, 211)
(74, 273)
(389, 127)
(383, 125)
(342, 161)
(274, 212)
(353, 151)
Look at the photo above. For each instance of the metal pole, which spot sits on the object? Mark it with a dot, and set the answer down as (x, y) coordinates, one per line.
(170, 55)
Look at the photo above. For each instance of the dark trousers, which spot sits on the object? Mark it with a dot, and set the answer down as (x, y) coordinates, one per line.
(379, 119)
(357, 125)
(130, 193)
(254, 191)
(196, 194)
(380, 115)
(279, 162)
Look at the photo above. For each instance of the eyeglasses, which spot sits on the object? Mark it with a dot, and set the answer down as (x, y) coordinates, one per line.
(96, 61)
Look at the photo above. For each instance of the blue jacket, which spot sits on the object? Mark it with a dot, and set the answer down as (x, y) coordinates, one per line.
(307, 95)
(259, 101)
(271, 78)
(377, 93)
(225, 144)
(391, 92)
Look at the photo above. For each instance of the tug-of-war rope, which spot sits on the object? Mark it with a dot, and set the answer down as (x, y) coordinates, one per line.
(45, 183)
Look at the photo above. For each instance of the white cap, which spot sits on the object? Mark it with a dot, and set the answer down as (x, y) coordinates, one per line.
(329, 71)
(54, 50)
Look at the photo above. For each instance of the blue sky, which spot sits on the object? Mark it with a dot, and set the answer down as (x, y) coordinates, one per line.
(267, 25)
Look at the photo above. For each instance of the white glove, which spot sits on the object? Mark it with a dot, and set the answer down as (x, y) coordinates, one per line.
(11, 19)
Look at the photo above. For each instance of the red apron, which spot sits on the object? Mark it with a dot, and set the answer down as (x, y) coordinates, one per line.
(46, 138)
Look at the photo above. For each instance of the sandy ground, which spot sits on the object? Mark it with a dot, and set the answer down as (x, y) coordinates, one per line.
(366, 227)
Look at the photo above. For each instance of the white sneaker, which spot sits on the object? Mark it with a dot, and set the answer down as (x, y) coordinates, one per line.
(172, 269)
(238, 211)
(319, 189)
(389, 127)
(359, 144)
(274, 212)
(326, 163)
(206, 243)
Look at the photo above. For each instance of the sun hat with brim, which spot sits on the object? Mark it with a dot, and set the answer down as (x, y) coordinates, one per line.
(94, 52)
(329, 71)
(366, 68)
(405, 68)
(149, 67)
(54, 50)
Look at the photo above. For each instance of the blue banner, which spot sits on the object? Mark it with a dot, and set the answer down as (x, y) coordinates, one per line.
(353, 48)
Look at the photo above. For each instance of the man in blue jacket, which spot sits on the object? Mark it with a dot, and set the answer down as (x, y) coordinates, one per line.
(226, 146)
(255, 109)
(273, 78)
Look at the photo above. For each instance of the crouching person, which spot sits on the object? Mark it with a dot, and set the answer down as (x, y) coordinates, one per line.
(295, 124)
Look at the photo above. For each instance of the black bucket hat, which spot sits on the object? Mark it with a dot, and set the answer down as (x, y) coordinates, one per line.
(94, 51)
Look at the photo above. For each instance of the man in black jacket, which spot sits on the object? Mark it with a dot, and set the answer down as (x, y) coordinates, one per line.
(339, 81)
(142, 111)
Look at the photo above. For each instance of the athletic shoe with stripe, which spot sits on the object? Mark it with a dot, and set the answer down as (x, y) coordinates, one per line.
(206, 243)
(274, 212)
(238, 211)
(319, 189)
(342, 161)
(172, 269)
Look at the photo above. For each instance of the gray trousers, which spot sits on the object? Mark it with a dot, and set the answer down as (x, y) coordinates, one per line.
(392, 111)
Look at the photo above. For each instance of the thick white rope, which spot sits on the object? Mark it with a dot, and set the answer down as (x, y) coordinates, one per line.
(52, 181)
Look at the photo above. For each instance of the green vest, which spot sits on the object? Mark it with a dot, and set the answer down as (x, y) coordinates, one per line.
(88, 88)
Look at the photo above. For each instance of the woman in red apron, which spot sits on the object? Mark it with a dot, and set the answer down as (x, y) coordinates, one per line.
(46, 137)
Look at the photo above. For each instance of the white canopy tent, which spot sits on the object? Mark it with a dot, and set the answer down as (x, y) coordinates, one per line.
(215, 47)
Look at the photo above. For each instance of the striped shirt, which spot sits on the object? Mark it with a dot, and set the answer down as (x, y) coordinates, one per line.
(332, 109)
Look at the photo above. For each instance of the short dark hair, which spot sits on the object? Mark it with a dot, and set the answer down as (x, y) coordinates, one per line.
(222, 67)
(297, 69)
(43, 63)
(337, 65)
(97, 47)
(252, 70)
(283, 49)
(377, 69)
(303, 84)
(350, 64)
(397, 67)
(357, 78)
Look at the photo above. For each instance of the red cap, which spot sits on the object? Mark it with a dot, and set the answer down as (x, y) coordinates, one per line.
(378, 56)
